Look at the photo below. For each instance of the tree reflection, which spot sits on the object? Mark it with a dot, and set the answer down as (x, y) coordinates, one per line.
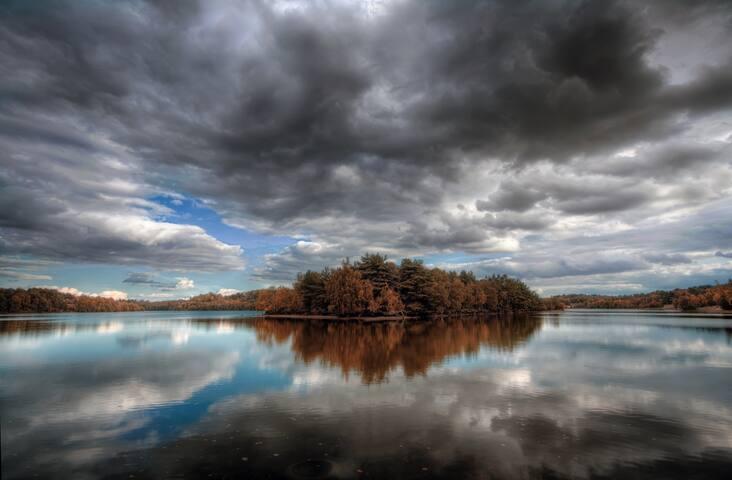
(373, 350)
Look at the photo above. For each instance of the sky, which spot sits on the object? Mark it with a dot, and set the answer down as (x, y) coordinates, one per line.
(161, 149)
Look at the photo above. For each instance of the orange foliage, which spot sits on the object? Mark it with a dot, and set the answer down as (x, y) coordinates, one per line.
(280, 300)
(374, 286)
(719, 296)
(47, 300)
(348, 293)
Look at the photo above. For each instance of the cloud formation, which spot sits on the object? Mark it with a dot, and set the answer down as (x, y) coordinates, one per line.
(150, 279)
(113, 294)
(411, 128)
(16, 268)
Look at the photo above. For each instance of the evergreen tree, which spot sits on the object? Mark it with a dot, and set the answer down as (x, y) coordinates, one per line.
(414, 286)
(312, 289)
(376, 269)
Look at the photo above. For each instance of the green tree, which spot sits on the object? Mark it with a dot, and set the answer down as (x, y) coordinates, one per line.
(414, 286)
(311, 286)
(378, 270)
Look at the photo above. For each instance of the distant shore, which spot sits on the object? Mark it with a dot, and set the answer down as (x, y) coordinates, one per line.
(711, 310)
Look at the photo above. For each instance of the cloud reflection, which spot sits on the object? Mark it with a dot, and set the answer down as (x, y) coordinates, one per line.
(528, 397)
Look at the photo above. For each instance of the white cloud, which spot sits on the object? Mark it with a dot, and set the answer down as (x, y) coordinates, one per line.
(113, 294)
(227, 291)
(184, 283)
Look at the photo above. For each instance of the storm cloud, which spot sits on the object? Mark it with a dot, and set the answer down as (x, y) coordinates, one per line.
(409, 127)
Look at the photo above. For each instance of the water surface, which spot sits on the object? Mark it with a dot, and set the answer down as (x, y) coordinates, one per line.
(581, 394)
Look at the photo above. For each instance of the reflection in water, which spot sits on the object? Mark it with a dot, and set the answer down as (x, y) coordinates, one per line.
(187, 396)
(374, 349)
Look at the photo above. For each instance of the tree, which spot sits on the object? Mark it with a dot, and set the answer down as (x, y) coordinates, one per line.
(388, 302)
(311, 286)
(438, 291)
(280, 300)
(414, 284)
(467, 277)
(378, 270)
(347, 293)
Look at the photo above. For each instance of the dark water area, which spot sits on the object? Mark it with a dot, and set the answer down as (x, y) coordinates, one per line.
(579, 394)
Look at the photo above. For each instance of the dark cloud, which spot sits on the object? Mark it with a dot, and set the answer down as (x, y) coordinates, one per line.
(592, 204)
(349, 127)
(16, 269)
(147, 279)
(571, 195)
(723, 254)
(511, 221)
(514, 197)
(536, 267)
(141, 278)
(673, 159)
(667, 258)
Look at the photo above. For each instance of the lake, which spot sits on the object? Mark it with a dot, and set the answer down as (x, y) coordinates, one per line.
(579, 394)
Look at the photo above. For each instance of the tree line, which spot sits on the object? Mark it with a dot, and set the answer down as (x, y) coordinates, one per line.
(207, 301)
(375, 286)
(48, 300)
(371, 286)
(687, 299)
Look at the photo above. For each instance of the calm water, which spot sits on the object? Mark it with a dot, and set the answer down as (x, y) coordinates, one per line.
(220, 395)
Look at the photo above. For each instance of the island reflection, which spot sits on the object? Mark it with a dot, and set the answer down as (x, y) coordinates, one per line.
(373, 350)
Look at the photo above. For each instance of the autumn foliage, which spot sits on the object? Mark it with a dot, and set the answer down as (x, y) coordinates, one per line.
(705, 296)
(46, 300)
(375, 286)
(279, 300)
(206, 301)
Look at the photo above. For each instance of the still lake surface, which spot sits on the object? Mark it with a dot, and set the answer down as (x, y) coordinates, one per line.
(580, 394)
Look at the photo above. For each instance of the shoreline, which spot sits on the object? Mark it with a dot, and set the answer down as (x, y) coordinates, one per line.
(335, 318)
(394, 318)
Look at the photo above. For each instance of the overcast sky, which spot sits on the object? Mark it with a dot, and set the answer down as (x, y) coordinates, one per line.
(167, 148)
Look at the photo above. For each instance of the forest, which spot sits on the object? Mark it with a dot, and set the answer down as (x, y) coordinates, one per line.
(705, 297)
(371, 286)
(375, 286)
(207, 301)
(48, 300)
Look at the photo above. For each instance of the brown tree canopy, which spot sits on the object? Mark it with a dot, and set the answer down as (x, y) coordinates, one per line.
(692, 298)
(375, 286)
(47, 300)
